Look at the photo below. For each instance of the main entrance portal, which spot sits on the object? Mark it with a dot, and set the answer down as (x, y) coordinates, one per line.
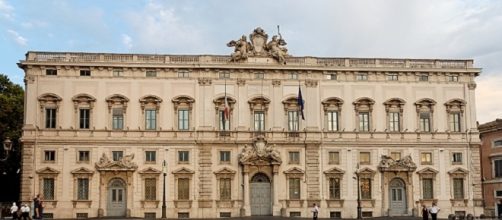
(116, 198)
(260, 195)
(397, 193)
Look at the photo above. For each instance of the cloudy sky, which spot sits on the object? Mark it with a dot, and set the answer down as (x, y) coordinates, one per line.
(351, 28)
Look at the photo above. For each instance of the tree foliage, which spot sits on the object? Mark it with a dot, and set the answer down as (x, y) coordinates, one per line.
(11, 123)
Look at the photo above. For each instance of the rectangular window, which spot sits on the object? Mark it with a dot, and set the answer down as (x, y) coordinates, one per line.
(85, 72)
(453, 78)
(259, 76)
(183, 156)
(364, 121)
(427, 188)
(335, 215)
(294, 188)
(224, 122)
(83, 156)
(224, 75)
(425, 121)
(497, 168)
(48, 188)
(117, 155)
(332, 121)
(50, 155)
(426, 158)
(423, 78)
(293, 122)
(150, 189)
(334, 158)
(51, 72)
(365, 184)
(118, 73)
(225, 189)
(82, 189)
(50, 118)
(151, 73)
(497, 143)
(458, 188)
(456, 158)
(334, 188)
(294, 157)
(84, 118)
(293, 75)
(150, 156)
(392, 77)
(224, 156)
(118, 119)
(394, 121)
(395, 155)
(331, 76)
(183, 188)
(150, 119)
(259, 121)
(183, 122)
(362, 77)
(183, 74)
(455, 121)
(364, 158)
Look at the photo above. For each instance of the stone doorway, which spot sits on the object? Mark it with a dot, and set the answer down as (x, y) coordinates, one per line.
(397, 197)
(117, 197)
(260, 195)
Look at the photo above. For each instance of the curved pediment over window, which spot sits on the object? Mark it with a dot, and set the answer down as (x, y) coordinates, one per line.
(394, 103)
(117, 99)
(425, 103)
(49, 97)
(363, 103)
(183, 101)
(455, 105)
(83, 98)
(332, 103)
(219, 102)
(259, 102)
(152, 100)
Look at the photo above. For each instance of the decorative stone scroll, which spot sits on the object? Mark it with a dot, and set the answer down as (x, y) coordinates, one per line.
(125, 163)
(405, 164)
(259, 47)
(260, 153)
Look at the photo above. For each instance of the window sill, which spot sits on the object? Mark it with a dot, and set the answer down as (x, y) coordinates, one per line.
(294, 203)
(81, 203)
(335, 203)
(183, 204)
(150, 203)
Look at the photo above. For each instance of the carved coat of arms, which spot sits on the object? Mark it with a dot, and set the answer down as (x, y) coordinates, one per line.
(259, 47)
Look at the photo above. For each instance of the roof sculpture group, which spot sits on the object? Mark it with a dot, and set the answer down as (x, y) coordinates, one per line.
(259, 47)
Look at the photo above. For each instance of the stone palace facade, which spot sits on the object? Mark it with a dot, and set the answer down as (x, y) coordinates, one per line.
(102, 131)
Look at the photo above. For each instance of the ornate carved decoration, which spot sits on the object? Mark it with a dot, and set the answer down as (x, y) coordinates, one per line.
(472, 85)
(276, 83)
(83, 100)
(183, 101)
(49, 99)
(259, 103)
(150, 100)
(204, 81)
(455, 105)
(241, 82)
(311, 83)
(260, 154)
(405, 164)
(394, 104)
(225, 173)
(259, 47)
(29, 79)
(425, 105)
(124, 164)
(117, 99)
(332, 104)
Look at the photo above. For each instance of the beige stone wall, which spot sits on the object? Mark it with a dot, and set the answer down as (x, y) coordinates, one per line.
(204, 141)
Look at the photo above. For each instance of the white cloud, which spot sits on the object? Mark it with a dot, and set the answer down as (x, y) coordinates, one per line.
(6, 10)
(127, 41)
(488, 102)
(157, 28)
(18, 38)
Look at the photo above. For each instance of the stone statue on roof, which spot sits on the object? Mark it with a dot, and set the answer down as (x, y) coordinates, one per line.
(259, 47)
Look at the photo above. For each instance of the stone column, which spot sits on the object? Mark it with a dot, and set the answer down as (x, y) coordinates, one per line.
(276, 210)
(246, 208)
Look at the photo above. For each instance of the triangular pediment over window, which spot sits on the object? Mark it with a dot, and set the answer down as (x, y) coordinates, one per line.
(47, 170)
(427, 170)
(458, 171)
(294, 170)
(82, 170)
(150, 170)
(225, 170)
(334, 170)
(183, 170)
